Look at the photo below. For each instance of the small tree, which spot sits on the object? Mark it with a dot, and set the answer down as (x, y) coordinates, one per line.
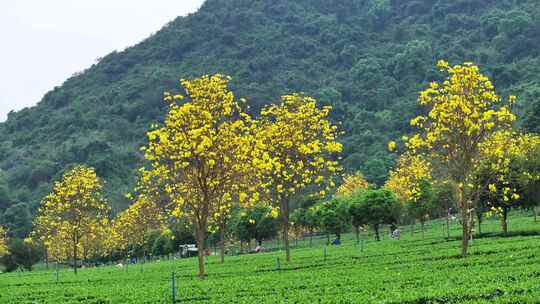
(531, 183)
(499, 177)
(258, 223)
(20, 255)
(408, 182)
(375, 207)
(445, 201)
(162, 245)
(421, 207)
(405, 179)
(71, 219)
(357, 213)
(307, 219)
(333, 215)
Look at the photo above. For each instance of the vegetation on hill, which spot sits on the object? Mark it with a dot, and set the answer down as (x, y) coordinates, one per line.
(366, 58)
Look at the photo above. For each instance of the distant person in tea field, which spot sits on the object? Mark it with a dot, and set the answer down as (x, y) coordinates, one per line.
(395, 232)
(392, 228)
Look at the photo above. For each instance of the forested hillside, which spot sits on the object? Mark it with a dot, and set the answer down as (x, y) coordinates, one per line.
(367, 58)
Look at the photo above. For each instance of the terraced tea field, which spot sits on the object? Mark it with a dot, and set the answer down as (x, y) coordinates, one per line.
(411, 270)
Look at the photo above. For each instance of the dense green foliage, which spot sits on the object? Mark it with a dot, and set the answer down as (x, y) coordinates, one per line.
(422, 206)
(256, 223)
(333, 216)
(367, 58)
(411, 270)
(375, 208)
(21, 256)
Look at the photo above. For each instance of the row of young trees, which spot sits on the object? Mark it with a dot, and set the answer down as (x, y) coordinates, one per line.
(355, 204)
(208, 158)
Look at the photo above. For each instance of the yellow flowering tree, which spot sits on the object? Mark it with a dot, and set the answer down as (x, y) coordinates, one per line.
(295, 147)
(498, 177)
(3, 242)
(463, 111)
(131, 226)
(200, 157)
(411, 182)
(351, 184)
(72, 218)
(404, 180)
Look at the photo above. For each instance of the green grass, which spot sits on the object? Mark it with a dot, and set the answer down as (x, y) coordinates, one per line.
(412, 270)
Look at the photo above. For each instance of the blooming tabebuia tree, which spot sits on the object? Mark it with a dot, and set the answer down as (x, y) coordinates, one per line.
(351, 184)
(498, 177)
(71, 220)
(333, 215)
(131, 226)
(463, 111)
(296, 146)
(411, 182)
(405, 178)
(201, 157)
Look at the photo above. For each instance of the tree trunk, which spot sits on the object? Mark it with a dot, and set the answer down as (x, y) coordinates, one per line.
(376, 228)
(285, 210)
(422, 223)
(534, 213)
(357, 233)
(75, 241)
(504, 221)
(310, 238)
(200, 249)
(222, 242)
(327, 239)
(413, 227)
(85, 257)
(464, 206)
(479, 227)
(479, 219)
(448, 225)
(46, 255)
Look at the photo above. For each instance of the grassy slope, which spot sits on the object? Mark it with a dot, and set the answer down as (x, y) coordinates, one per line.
(499, 270)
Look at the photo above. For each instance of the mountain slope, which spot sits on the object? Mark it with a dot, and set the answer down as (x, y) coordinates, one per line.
(367, 58)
